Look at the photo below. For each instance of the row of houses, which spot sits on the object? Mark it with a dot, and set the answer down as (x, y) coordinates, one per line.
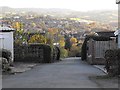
(93, 46)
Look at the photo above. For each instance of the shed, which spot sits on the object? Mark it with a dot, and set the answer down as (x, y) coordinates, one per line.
(106, 33)
(6, 39)
(94, 48)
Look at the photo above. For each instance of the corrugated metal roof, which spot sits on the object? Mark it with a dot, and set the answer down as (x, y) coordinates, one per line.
(6, 29)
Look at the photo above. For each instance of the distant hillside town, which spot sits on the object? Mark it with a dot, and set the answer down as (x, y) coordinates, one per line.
(67, 21)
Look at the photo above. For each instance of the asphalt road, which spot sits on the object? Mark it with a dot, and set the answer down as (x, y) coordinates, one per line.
(69, 73)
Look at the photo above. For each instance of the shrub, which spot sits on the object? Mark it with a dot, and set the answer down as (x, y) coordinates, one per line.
(6, 59)
(63, 53)
(5, 65)
(6, 54)
(113, 62)
(47, 54)
(74, 51)
(37, 38)
(33, 53)
(56, 54)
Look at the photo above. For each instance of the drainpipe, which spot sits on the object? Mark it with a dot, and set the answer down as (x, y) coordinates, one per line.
(119, 38)
(118, 2)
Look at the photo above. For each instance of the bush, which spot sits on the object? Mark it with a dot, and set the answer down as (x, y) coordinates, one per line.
(5, 65)
(63, 53)
(74, 51)
(6, 54)
(113, 62)
(41, 53)
(6, 59)
(37, 38)
(47, 54)
(56, 54)
(33, 53)
(78, 54)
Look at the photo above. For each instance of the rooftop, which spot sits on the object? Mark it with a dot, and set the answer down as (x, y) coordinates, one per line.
(6, 29)
(118, 2)
(106, 33)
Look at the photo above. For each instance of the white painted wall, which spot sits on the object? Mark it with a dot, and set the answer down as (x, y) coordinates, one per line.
(119, 25)
(6, 42)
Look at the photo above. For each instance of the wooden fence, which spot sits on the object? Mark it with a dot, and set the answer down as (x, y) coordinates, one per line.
(96, 50)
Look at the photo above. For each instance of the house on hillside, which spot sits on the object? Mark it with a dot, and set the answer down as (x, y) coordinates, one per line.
(34, 32)
(94, 47)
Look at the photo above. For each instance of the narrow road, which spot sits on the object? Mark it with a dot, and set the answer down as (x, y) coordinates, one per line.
(69, 73)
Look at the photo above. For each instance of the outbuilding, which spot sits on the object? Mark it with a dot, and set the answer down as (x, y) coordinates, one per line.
(117, 33)
(94, 47)
(6, 39)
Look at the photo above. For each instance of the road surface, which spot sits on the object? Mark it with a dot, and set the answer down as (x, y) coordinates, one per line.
(69, 73)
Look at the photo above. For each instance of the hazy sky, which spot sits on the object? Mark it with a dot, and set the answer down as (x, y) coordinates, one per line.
(80, 5)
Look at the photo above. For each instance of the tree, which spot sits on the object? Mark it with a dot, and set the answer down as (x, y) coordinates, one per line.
(37, 38)
(42, 24)
(62, 43)
(74, 50)
(18, 25)
(20, 37)
(52, 30)
(67, 43)
(73, 40)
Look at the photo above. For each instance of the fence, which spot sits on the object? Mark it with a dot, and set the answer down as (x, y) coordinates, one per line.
(96, 50)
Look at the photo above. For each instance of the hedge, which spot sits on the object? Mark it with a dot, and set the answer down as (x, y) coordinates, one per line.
(56, 54)
(36, 53)
(113, 62)
(33, 53)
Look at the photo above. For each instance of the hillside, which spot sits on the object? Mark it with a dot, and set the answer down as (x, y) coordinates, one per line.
(100, 16)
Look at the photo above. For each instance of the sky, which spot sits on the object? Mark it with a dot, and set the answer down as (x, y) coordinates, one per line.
(78, 5)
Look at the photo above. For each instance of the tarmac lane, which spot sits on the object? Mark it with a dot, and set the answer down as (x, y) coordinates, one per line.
(68, 73)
